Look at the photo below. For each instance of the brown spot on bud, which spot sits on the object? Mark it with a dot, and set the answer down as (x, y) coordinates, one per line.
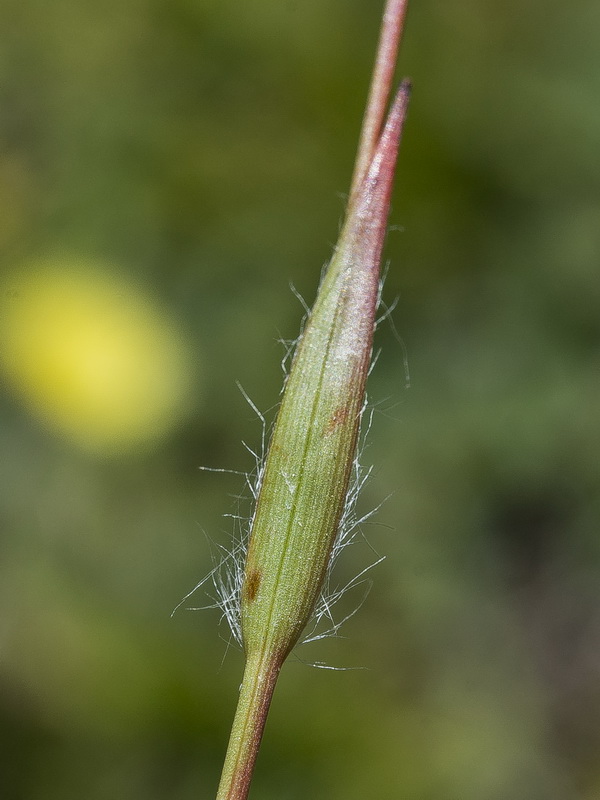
(339, 416)
(251, 584)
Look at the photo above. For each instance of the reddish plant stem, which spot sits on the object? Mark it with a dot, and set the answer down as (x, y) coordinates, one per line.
(256, 693)
(392, 28)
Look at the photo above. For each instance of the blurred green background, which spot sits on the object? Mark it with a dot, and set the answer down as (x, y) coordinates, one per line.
(166, 169)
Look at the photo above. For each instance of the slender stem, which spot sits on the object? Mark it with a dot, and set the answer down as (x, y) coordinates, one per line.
(256, 692)
(381, 87)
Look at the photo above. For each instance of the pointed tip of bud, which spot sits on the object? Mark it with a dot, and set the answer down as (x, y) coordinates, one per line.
(406, 87)
(386, 151)
(368, 209)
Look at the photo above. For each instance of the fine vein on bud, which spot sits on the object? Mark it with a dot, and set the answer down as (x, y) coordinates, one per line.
(313, 444)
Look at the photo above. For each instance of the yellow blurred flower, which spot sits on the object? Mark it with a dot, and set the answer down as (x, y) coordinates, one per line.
(92, 356)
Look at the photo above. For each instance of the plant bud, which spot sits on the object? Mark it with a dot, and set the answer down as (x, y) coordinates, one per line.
(313, 445)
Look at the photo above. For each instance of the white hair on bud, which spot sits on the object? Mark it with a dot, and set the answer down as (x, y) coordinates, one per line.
(324, 623)
(223, 584)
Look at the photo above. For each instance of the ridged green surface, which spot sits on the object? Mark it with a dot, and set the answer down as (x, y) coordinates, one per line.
(314, 441)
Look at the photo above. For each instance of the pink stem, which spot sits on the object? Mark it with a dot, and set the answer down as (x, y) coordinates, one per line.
(381, 88)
